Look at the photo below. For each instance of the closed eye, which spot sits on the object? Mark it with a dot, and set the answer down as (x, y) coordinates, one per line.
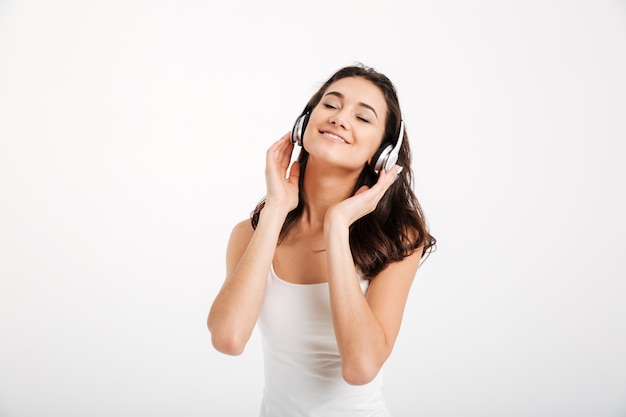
(329, 106)
(363, 119)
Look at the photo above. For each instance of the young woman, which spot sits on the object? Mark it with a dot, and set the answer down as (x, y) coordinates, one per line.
(326, 261)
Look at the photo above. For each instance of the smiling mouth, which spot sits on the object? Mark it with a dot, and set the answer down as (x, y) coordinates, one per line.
(333, 137)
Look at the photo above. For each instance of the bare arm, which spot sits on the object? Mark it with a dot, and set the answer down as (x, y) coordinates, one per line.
(366, 327)
(234, 311)
(236, 307)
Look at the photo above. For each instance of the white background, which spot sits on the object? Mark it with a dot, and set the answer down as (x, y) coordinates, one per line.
(133, 137)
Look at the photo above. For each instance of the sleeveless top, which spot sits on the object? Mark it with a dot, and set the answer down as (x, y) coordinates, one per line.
(301, 358)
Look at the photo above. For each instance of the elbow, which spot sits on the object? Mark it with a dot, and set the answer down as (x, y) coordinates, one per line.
(355, 374)
(227, 344)
(226, 341)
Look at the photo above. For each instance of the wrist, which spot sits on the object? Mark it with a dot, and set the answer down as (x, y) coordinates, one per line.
(335, 224)
(274, 212)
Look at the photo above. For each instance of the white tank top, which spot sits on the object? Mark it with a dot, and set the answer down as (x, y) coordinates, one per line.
(302, 365)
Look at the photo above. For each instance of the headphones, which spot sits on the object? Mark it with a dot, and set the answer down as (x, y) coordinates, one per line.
(385, 157)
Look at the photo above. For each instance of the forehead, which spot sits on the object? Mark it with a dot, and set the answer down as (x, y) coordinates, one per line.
(360, 90)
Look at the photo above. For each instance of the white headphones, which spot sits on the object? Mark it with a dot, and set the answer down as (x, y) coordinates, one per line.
(385, 157)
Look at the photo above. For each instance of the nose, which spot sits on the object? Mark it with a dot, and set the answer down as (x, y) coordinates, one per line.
(339, 119)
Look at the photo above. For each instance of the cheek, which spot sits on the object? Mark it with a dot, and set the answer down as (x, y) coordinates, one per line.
(376, 142)
(313, 121)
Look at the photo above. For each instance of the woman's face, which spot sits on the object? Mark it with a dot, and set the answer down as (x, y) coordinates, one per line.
(347, 126)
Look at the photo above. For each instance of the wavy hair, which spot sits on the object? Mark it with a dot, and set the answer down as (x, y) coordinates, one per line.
(397, 227)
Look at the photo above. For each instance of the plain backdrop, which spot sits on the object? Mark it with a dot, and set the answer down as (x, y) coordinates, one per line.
(133, 137)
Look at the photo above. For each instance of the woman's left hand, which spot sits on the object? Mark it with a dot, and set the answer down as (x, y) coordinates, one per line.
(364, 201)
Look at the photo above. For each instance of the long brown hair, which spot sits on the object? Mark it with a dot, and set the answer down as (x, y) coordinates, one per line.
(397, 227)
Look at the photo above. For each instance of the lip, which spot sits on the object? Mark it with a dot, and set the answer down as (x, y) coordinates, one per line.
(332, 135)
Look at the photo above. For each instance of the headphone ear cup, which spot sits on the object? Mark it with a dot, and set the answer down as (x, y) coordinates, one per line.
(381, 156)
(387, 155)
(299, 127)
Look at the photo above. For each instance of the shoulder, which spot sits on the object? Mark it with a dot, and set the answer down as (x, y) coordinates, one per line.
(241, 233)
(405, 267)
(242, 229)
(240, 236)
(391, 286)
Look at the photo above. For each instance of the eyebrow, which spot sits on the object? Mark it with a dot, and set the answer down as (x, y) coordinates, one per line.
(338, 94)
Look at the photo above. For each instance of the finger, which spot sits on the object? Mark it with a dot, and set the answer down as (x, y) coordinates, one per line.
(385, 181)
(392, 174)
(281, 149)
(284, 140)
(294, 172)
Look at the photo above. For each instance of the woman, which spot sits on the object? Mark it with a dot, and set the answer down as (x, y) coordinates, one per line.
(328, 257)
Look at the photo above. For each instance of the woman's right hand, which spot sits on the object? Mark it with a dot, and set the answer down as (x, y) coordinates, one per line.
(281, 192)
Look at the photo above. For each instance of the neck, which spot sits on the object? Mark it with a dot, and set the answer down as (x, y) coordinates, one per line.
(322, 189)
